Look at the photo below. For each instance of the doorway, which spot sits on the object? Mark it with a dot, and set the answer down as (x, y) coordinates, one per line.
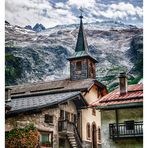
(94, 136)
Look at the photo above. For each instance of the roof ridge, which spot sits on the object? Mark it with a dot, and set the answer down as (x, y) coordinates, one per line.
(39, 82)
(48, 92)
(121, 99)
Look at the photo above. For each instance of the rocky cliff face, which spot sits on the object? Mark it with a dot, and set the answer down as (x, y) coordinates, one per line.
(42, 55)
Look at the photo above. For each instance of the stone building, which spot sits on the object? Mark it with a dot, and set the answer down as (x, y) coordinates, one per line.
(59, 109)
(122, 116)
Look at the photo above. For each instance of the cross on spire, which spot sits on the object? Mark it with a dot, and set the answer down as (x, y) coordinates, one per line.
(81, 16)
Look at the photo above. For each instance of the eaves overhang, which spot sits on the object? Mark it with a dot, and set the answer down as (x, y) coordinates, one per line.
(120, 106)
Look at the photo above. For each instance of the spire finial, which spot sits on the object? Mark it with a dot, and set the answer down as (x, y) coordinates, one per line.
(81, 16)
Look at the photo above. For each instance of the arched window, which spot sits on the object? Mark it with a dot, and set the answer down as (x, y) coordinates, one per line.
(88, 130)
(99, 134)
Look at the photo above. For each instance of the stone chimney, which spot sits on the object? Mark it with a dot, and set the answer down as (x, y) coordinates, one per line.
(7, 94)
(123, 83)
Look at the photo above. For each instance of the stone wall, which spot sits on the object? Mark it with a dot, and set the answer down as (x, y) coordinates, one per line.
(81, 74)
(91, 69)
(88, 69)
(87, 144)
(108, 117)
(22, 120)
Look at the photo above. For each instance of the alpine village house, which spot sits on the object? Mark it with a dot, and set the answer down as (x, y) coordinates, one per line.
(59, 109)
(78, 112)
(122, 116)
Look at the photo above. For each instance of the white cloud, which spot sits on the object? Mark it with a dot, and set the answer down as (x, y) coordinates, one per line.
(124, 9)
(82, 3)
(42, 11)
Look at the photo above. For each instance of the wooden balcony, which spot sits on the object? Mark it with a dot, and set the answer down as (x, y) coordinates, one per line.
(128, 129)
(64, 127)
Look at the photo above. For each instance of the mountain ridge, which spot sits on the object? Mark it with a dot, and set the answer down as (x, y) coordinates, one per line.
(45, 52)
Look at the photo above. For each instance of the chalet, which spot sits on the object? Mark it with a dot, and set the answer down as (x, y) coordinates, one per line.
(122, 116)
(59, 109)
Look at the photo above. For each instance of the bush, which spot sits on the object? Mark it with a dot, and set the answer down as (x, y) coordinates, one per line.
(27, 137)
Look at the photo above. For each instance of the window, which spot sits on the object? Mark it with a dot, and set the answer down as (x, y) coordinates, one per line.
(61, 114)
(129, 125)
(46, 138)
(94, 111)
(99, 134)
(88, 130)
(73, 118)
(78, 66)
(67, 116)
(48, 118)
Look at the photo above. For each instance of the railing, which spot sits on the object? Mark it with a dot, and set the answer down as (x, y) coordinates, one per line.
(126, 130)
(77, 136)
(66, 126)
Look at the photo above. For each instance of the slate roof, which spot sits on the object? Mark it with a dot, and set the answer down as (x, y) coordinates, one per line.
(134, 96)
(54, 86)
(39, 95)
(27, 103)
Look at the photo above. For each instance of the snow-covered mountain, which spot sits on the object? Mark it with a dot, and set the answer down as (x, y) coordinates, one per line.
(42, 55)
(37, 27)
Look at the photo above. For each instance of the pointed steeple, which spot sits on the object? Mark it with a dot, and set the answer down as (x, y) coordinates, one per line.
(81, 50)
(81, 41)
(82, 64)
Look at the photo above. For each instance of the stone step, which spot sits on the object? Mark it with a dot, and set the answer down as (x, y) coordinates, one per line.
(71, 137)
(74, 146)
(73, 143)
(72, 140)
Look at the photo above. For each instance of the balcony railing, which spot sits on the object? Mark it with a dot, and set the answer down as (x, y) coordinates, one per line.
(126, 130)
(65, 127)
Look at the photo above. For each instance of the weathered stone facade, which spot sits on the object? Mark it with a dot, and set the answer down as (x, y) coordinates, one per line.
(87, 69)
(87, 144)
(38, 119)
(82, 67)
(108, 117)
(91, 69)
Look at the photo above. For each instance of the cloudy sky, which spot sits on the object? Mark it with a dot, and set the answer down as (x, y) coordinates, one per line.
(57, 12)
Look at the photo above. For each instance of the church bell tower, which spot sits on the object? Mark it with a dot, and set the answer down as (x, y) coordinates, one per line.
(82, 64)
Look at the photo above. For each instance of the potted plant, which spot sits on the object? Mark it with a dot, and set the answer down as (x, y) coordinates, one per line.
(46, 144)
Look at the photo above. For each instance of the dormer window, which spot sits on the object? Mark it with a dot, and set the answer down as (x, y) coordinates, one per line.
(78, 66)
